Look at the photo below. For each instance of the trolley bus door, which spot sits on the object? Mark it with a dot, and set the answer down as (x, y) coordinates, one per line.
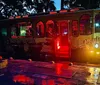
(62, 42)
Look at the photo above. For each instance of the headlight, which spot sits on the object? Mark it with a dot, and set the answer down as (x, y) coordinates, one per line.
(97, 52)
(91, 51)
(96, 45)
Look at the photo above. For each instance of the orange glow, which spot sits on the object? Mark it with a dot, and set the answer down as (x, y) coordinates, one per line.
(23, 79)
(97, 52)
(53, 12)
(63, 11)
(18, 17)
(91, 51)
(25, 16)
(58, 68)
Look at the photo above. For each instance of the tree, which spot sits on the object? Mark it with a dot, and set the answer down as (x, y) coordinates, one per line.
(45, 5)
(89, 4)
(68, 4)
(23, 7)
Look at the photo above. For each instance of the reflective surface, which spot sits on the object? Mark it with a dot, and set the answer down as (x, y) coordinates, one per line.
(51, 73)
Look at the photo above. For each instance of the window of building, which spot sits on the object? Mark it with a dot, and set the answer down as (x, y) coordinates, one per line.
(85, 27)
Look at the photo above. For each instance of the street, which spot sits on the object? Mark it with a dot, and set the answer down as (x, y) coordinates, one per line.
(50, 73)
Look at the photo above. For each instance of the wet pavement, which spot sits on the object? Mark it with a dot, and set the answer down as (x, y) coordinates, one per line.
(24, 72)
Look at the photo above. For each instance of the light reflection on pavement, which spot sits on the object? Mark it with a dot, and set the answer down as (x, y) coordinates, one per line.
(93, 78)
(48, 73)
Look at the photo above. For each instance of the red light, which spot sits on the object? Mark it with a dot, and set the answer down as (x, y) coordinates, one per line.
(48, 82)
(58, 45)
(23, 79)
(53, 12)
(58, 68)
(63, 11)
(18, 17)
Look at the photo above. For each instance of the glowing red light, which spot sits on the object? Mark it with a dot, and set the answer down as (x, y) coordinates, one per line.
(44, 82)
(48, 82)
(23, 79)
(58, 68)
(58, 45)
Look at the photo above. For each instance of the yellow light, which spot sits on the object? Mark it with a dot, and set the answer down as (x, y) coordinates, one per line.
(91, 51)
(97, 52)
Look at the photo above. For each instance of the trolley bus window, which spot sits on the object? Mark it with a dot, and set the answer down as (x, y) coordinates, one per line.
(25, 29)
(40, 29)
(75, 28)
(50, 28)
(63, 25)
(4, 32)
(97, 23)
(13, 31)
(85, 28)
(64, 28)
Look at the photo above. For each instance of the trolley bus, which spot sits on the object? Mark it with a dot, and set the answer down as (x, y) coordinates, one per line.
(66, 34)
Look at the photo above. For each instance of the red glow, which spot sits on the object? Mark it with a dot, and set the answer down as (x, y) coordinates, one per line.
(48, 82)
(40, 25)
(18, 17)
(64, 48)
(58, 68)
(44, 82)
(58, 45)
(75, 25)
(14, 36)
(0, 57)
(51, 82)
(23, 79)
(53, 12)
(63, 11)
(85, 17)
